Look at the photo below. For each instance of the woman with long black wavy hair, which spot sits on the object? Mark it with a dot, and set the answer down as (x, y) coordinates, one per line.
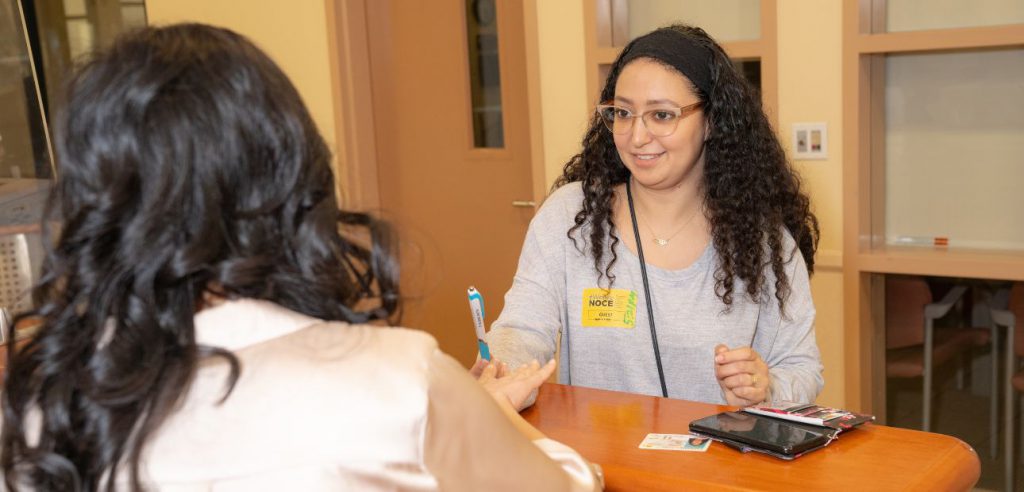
(203, 323)
(673, 257)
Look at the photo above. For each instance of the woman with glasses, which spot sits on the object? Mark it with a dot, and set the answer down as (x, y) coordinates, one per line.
(205, 326)
(673, 257)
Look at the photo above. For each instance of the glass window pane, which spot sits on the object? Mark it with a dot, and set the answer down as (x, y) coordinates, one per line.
(724, 20)
(751, 70)
(80, 38)
(915, 15)
(64, 32)
(133, 16)
(954, 141)
(75, 8)
(484, 73)
(23, 146)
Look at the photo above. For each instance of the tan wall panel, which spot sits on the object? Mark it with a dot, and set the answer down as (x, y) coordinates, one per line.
(294, 34)
(810, 90)
(565, 104)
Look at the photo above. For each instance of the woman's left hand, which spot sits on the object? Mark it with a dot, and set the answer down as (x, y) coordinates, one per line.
(742, 374)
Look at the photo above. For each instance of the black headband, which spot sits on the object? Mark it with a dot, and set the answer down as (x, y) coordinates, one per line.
(675, 49)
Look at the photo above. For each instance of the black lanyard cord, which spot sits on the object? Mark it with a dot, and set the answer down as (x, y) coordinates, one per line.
(647, 290)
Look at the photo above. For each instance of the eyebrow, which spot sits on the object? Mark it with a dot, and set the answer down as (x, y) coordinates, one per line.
(649, 101)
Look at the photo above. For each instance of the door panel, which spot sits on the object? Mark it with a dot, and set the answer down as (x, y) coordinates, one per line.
(452, 203)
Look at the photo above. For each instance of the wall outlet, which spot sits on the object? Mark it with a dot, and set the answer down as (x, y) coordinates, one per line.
(810, 141)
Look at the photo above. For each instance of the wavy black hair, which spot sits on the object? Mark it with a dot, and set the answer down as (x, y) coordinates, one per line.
(751, 190)
(189, 170)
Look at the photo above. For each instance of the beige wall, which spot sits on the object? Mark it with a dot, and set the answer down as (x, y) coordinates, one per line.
(293, 33)
(810, 90)
(565, 106)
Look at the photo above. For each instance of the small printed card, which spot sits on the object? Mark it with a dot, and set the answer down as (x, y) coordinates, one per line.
(676, 442)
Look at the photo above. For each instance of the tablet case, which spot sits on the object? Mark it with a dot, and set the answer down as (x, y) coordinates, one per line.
(749, 432)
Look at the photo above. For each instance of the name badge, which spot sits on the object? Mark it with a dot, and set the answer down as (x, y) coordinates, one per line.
(609, 308)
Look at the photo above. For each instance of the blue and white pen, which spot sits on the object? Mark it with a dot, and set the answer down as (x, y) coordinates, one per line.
(476, 308)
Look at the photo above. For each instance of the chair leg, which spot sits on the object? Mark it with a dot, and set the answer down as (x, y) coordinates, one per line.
(926, 405)
(993, 401)
(1011, 456)
(1010, 460)
(961, 370)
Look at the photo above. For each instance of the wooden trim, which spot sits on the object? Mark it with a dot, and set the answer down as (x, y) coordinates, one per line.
(606, 54)
(489, 153)
(856, 352)
(873, 338)
(750, 49)
(941, 39)
(349, 58)
(534, 99)
(1000, 265)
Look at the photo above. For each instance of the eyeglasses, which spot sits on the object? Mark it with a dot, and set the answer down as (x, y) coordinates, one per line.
(660, 122)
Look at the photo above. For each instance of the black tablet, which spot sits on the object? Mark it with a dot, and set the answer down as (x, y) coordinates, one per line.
(761, 433)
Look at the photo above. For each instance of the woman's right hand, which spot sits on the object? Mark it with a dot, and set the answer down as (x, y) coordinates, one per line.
(515, 386)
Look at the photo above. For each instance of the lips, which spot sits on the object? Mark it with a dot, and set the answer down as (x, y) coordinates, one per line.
(647, 159)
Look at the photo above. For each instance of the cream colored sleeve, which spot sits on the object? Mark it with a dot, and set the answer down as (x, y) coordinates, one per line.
(471, 445)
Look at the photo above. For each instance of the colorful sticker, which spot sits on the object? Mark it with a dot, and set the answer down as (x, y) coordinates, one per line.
(609, 308)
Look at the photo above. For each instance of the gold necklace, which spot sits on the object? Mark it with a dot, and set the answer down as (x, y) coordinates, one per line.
(664, 242)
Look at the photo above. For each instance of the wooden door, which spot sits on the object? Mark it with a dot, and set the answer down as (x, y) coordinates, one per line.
(462, 211)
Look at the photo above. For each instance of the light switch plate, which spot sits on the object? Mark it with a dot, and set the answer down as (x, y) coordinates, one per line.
(810, 141)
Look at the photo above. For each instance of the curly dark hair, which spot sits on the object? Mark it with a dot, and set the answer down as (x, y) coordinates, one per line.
(751, 191)
(188, 168)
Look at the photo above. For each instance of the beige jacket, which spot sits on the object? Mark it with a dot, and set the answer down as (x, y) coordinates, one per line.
(332, 406)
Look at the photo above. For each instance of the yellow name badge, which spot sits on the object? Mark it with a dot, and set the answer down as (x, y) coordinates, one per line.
(609, 308)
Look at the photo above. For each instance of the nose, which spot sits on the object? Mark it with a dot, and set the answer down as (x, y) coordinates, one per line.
(639, 135)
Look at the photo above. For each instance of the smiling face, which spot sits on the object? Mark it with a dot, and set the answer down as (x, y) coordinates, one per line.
(667, 162)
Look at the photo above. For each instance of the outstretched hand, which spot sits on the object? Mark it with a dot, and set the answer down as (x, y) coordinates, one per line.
(742, 374)
(514, 386)
(480, 364)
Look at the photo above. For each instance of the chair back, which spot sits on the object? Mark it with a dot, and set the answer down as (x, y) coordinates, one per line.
(905, 299)
(1017, 308)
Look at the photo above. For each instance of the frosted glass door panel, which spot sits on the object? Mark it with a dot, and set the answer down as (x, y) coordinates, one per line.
(916, 15)
(954, 149)
(724, 20)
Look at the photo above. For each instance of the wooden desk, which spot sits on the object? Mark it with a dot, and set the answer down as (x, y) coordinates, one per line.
(606, 427)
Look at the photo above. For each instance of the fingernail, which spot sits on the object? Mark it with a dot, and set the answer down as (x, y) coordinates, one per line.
(719, 358)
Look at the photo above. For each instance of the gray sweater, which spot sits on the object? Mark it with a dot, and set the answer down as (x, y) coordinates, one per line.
(605, 336)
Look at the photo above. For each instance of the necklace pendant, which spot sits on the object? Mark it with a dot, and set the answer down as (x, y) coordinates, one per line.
(660, 242)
